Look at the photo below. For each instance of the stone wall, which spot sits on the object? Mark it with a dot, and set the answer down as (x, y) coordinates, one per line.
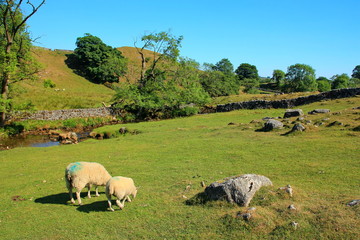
(289, 103)
(70, 113)
(256, 104)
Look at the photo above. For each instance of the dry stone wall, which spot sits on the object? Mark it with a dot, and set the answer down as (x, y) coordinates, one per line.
(256, 104)
(289, 103)
(71, 113)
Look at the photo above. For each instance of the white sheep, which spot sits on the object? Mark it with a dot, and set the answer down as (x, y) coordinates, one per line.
(121, 188)
(81, 174)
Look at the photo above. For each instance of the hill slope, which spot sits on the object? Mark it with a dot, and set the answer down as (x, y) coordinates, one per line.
(72, 90)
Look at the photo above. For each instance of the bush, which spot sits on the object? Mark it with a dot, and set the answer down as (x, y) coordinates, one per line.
(49, 84)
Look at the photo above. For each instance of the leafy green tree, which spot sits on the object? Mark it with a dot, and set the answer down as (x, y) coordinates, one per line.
(340, 81)
(356, 72)
(324, 84)
(219, 79)
(16, 63)
(97, 61)
(225, 66)
(300, 78)
(278, 77)
(354, 82)
(165, 47)
(248, 71)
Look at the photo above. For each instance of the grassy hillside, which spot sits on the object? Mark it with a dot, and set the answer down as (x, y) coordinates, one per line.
(169, 159)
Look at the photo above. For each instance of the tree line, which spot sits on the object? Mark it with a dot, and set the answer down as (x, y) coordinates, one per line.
(168, 85)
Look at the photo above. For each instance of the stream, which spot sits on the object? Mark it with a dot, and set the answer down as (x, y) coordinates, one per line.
(34, 141)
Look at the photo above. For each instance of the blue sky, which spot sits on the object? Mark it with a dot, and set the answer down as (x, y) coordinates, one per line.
(270, 34)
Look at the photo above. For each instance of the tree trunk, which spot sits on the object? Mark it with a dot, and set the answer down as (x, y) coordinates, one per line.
(5, 82)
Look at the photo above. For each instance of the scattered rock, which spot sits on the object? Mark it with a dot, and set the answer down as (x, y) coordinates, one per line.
(291, 207)
(298, 127)
(354, 202)
(238, 190)
(245, 216)
(335, 123)
(293, 113)
(123, 130)
(357, 129)
(315, 111)
(203, 184)
(288, 189)
(231, 123)
(272, 124)
(294, 225)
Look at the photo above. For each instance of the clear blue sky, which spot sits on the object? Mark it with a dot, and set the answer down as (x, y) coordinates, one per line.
(270, 34)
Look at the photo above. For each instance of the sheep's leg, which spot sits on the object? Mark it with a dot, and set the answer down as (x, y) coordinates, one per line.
(89, 187)
(109, 202)
(128, 198)
(121, 206)
(78, 197)
(71, 195)
(97, 191)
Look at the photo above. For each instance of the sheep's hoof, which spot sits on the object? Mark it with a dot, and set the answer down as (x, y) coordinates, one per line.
(111, 209)
(97, 195)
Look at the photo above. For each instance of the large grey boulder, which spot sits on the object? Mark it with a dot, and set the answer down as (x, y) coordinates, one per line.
(293, 113)
(238, 190)
(298, 127)
(272, 124)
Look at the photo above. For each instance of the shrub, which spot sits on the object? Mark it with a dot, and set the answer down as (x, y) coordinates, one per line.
(49, 84)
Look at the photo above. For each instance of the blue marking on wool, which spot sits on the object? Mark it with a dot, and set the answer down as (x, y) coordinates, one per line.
(75, 167)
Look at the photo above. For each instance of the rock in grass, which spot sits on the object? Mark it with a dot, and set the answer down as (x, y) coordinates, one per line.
(298, 127)
(315, 111)
(239, 190)
(354, 202)
(293, 113)
(272, 124)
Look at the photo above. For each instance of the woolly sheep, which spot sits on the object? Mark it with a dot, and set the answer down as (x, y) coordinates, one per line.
(121, 188)
(81, 174)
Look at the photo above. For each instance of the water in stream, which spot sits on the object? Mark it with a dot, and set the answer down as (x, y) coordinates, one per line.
(34, 141)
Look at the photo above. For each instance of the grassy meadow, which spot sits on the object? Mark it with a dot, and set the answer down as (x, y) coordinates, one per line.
(169, 159)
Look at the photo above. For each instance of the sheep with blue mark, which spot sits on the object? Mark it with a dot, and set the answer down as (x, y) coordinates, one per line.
(81, 174)
(121, 188)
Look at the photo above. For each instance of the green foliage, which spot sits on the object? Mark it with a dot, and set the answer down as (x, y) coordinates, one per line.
(324, 84)
(219, 79)
(300, 78)
(163, 96)
(97, 61)
(49, 84)
(356, 72)
(247, 71)
(278, 77)
(354, 82)
(340, 81)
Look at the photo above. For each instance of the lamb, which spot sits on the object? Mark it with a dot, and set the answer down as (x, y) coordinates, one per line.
(121, 188)
(81, 174)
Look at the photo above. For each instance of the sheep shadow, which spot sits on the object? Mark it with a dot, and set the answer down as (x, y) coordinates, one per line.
(60, 198)
(100, 206)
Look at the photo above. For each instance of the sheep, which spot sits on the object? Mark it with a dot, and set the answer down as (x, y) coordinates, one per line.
(121, 188)
(81, 174)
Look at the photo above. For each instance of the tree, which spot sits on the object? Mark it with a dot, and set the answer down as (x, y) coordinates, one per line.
(15, 44)
(324, 84)
(219, 79)
(164, 47)
(248, 71)
(340, 81)
(356, 72)
(225, 66)
(278, 77)
(300, 78)
(248, 77)
(97, 61)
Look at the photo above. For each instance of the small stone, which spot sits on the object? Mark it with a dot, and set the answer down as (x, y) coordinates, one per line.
(294, 224)
(298, 127)
(203, 184)
(231, 123)
(44, 181)
(185, 197)
(354, 202)
(291, 207)
(252, 209)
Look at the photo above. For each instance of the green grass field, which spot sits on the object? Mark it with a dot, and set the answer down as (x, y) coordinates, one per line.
(169, 159)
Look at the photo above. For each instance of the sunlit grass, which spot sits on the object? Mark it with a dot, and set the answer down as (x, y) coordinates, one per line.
(169, 159)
